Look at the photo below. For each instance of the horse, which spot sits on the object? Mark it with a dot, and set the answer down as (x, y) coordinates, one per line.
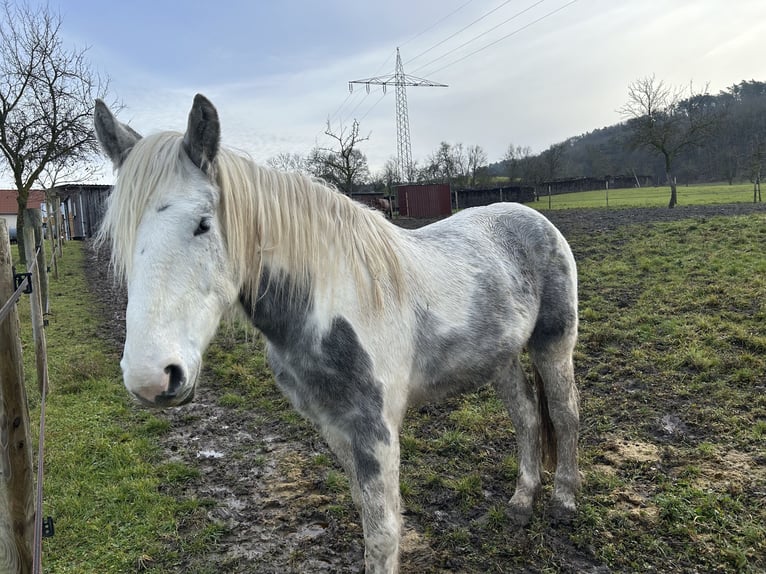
(362, 319)
(383, 204)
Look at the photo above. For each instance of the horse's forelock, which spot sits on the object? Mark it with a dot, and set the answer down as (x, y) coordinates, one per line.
(155, 163)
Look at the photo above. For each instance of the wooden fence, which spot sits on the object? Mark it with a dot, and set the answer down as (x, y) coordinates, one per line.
(21, 526)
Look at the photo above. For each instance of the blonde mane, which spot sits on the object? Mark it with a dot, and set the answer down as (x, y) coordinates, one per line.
(307, 227)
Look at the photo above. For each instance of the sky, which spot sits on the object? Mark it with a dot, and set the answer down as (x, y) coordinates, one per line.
(521, 72)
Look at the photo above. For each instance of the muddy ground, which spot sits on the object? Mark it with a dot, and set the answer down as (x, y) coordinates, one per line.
(272, 503)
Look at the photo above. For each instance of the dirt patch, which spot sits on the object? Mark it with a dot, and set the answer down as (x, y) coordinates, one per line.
(275, 506)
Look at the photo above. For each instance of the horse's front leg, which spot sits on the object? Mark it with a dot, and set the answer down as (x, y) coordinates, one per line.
(373, 469)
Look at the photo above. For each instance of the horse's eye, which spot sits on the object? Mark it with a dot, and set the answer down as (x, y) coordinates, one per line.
(203, 227)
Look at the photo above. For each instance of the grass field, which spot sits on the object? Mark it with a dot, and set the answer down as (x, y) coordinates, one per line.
(649, 197)
(671, 366)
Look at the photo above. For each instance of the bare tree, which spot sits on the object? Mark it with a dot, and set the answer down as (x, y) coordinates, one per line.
(669, 120)
(344, 166)
(286, 161)
(448, 164)
(552, 158)
(460, 165)
(477, 159)
(515, 158)
(46, 98)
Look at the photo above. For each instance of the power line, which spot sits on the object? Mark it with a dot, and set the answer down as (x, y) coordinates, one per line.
(513, 33)
(382, 95)
(432, 26)
(479, 19)
(343, 103)
(495, 27)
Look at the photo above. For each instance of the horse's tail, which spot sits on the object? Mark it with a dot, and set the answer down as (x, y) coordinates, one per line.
(547, 430)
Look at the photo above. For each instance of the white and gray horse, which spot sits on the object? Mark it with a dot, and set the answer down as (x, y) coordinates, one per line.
(362, 318)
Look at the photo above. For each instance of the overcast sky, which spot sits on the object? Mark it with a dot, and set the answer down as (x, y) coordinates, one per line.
(276, 70)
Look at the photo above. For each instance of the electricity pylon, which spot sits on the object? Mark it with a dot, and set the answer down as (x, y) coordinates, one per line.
(400, 80)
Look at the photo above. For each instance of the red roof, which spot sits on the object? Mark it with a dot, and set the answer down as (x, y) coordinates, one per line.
(8, 205)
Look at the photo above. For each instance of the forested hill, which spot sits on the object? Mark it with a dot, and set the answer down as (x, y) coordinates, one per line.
(736, 151)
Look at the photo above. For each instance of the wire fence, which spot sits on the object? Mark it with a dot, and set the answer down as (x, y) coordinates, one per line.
(27, 282)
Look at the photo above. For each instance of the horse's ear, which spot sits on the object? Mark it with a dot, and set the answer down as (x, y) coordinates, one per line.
(116, 138)
(203, 133)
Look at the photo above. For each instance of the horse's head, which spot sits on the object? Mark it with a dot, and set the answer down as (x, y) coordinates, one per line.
(167, 243)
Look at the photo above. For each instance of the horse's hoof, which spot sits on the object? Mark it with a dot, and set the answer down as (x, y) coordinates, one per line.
(519, 515)
(562, 513)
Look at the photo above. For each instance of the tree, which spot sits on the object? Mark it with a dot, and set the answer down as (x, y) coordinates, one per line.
(448, 164)
(515, 157)
(346, 166)
(477, 159)
(552, 158)
(286, 161)
(46, 99)
(669, 120)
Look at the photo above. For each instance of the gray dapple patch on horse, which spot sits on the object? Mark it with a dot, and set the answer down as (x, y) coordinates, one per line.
(329, 372)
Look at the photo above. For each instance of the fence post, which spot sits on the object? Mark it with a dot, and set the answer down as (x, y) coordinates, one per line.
(59, 224)
(51, 227)
(17, 506)
(38, 333)
(33, 219)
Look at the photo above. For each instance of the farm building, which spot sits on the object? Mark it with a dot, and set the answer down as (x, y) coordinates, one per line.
(9, 206)
(82, 207)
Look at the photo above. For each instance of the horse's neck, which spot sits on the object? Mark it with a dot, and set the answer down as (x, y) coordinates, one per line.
(340, 254)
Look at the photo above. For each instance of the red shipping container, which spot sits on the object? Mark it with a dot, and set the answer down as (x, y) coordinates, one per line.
(428, 200)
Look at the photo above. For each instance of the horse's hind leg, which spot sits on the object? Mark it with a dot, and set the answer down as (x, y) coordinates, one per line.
(553, 361)
(519, 398)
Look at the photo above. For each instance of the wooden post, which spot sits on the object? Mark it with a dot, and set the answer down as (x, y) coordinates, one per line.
(59, 223)
(51, 227)
(38, 332)
(17, 505)
(33, 219)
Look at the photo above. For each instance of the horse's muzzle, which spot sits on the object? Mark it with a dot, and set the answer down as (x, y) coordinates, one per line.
(170, 389)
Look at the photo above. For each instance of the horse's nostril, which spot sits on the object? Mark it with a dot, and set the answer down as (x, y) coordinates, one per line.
(176, 376)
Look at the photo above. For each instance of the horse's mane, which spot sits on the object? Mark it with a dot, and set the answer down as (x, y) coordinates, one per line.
(307, 227)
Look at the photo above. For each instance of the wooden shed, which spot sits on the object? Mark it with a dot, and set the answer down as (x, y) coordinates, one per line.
(83, 207)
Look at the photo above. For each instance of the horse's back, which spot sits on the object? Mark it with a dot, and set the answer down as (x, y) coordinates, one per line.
(514, 233)
(484, 276)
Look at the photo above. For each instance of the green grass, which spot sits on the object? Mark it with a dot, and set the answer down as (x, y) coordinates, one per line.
(674, 325)
(648, 197)
(672, 329)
